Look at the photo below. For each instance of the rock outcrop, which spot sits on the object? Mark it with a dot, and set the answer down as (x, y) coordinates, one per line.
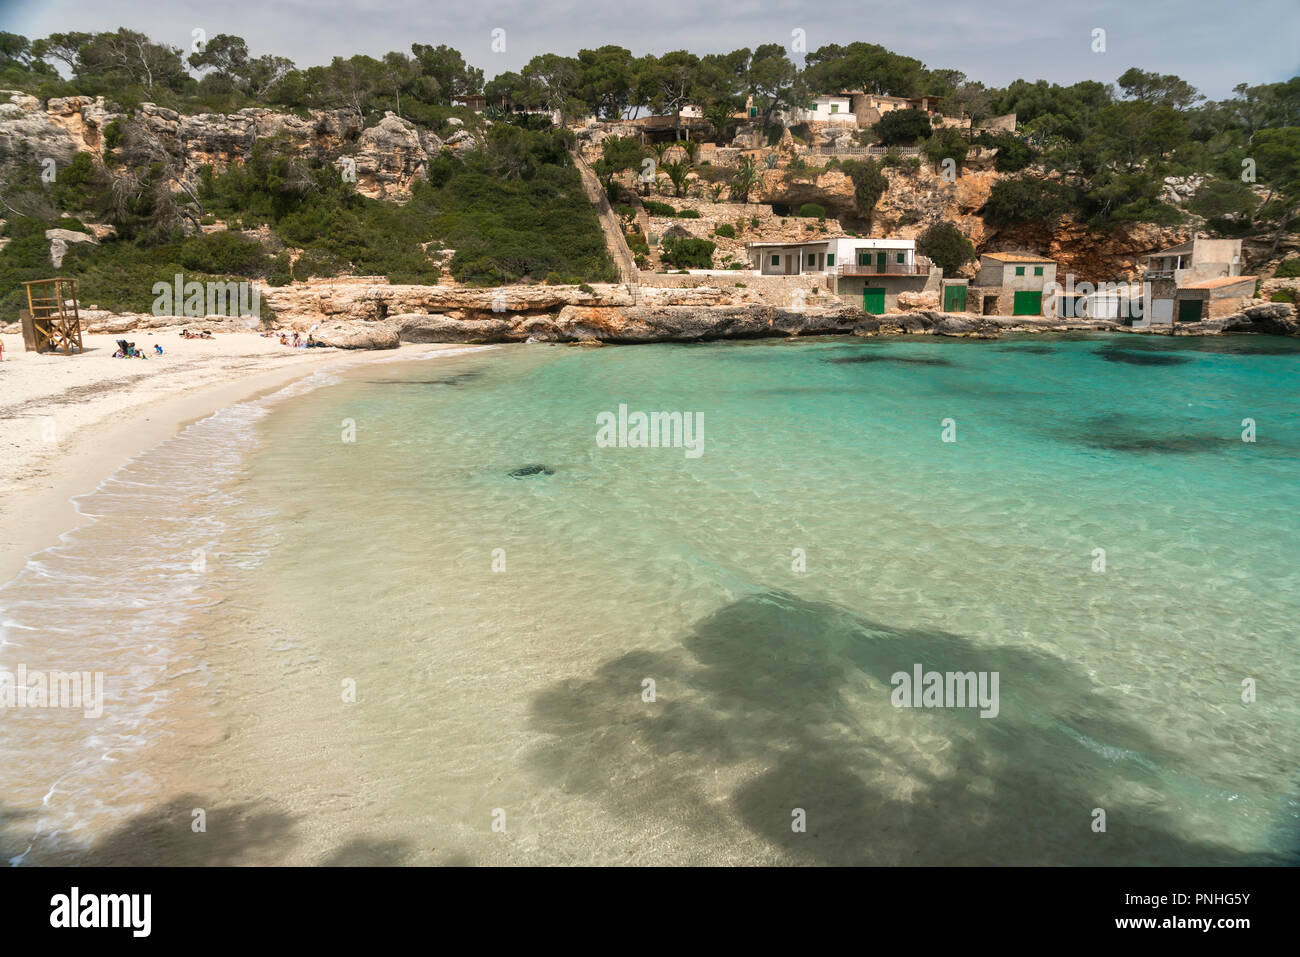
(391, 155)
(1272, 318)
(301, 305)
(632, 324)
(358, 335)
(831, 189)
(59, 240)
(59, 131)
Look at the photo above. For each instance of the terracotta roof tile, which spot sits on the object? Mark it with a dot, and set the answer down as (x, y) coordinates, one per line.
(1218, 282)
(1017, 258)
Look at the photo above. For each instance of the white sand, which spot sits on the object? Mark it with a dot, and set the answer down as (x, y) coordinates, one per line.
(68, 422)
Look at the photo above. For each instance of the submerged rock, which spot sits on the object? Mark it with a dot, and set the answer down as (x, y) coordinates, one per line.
(532, 470)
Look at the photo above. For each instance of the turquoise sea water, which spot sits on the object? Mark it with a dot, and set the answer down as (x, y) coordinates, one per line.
(500, 630)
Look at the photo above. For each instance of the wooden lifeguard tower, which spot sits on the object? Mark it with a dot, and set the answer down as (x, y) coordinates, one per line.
(52, 321)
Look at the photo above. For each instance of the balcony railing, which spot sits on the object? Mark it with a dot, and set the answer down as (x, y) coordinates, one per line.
(919, 268)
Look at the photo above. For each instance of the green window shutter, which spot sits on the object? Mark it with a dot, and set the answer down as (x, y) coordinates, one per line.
(830, 259)
(812, 259)
(902, 256)
(1020, 270)
(864, 258)
(776, 260)
(1038, 270)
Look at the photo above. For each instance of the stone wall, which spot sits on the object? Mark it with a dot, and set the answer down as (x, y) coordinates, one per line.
(771, 227)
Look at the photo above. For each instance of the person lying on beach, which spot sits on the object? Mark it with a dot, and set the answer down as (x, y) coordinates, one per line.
(206, 334)
(157, 349)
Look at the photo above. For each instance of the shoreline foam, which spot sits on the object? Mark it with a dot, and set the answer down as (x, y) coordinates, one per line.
(39, 481)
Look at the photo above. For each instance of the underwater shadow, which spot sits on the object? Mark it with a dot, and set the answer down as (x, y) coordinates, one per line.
(249, 833)
(792, 697)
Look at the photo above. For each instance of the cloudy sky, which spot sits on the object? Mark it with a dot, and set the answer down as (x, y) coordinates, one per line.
(1212, 43)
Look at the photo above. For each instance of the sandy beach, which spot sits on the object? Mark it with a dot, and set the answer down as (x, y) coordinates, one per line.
(67, 422)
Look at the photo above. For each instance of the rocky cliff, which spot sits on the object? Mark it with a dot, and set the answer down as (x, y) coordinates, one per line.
(388, 156)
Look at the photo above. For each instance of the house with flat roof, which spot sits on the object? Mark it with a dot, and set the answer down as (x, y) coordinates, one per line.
(828, 108)
(862, 270)
(1194, 260)
(1212, 298)
(1198, 279)
(870, 107)
(1014, 284)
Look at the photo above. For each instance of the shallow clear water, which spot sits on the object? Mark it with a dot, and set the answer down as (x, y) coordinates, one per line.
(517, 695)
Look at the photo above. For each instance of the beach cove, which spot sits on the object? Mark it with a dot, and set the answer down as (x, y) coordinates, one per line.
(353, 674)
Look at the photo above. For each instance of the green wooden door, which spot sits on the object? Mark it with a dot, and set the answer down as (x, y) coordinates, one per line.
(1189, 310)
(880, 262)
(873, 301)
(864, 259)
(954, 299)
(1027, 304)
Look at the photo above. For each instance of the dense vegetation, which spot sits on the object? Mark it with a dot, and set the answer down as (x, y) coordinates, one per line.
(511, 209)
(946, 246)
(532, 223)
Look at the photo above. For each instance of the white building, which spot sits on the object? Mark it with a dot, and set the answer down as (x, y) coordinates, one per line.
(828, 108)
(845, 255)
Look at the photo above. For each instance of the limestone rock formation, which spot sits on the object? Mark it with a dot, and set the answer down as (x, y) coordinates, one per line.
(65, 127)
(59, 240)
(390, 156)
(301, 304)
(1273, 318)
(357, 335)
(832, 189)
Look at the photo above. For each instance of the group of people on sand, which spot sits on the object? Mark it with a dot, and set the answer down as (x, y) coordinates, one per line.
(128, 350)
(201, 334)
(298, 342)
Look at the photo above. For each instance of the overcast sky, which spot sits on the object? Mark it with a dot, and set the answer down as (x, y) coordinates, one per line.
(1211, 43)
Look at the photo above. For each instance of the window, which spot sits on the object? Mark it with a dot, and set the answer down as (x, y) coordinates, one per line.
(864, 258)
(1020, 270)
(830, 259)
(776, 260)
(835, 107)
(1038, 270)
(902, 257)
(812, 259)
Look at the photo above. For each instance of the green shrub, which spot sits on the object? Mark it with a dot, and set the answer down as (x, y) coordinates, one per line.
(1288, 270)
(726, 231)
(689, 214)
(1283, 295)
(1025, 198)
(318, 263)
(655, 208)
(813, 210)
(947, 246)
(869, 183)
(687, 252)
